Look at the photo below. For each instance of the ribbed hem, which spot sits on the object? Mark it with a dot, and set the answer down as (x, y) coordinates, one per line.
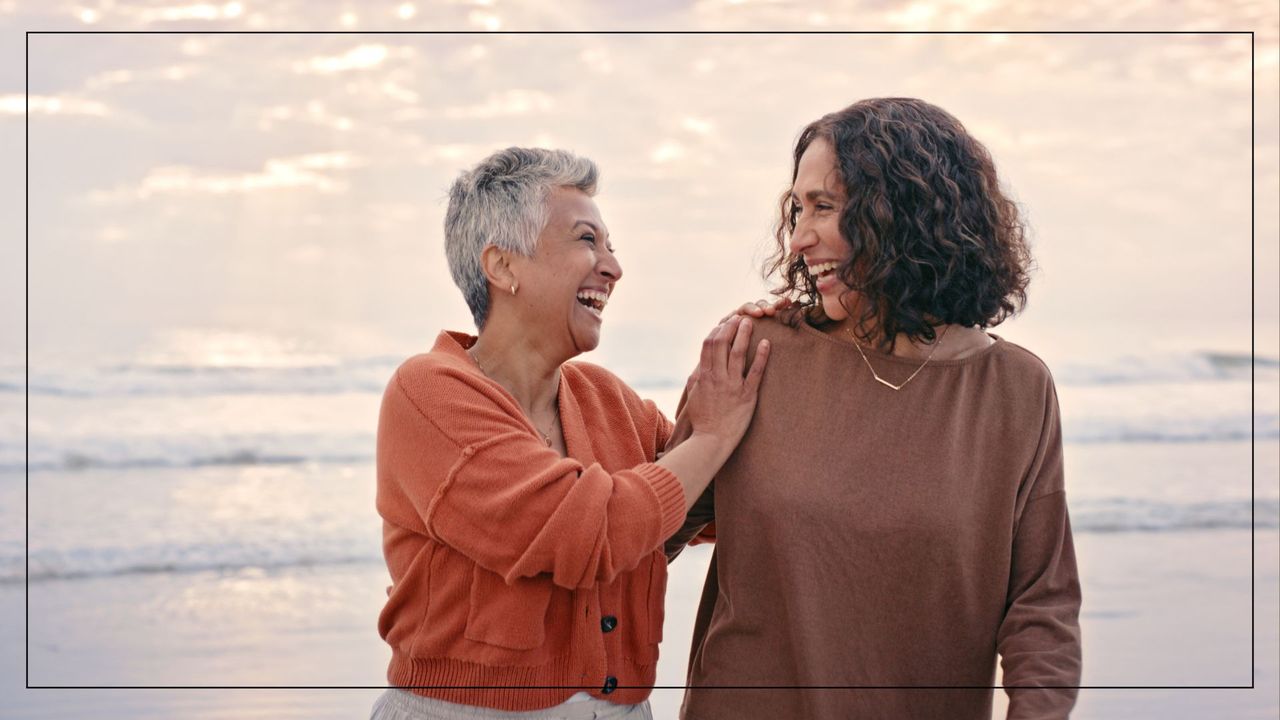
(670, 494)
(514, 688)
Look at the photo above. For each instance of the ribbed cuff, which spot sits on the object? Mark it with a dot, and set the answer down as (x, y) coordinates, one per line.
(670, 494)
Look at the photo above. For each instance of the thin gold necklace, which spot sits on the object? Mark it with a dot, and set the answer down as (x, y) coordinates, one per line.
(876, 375)
(545, 437)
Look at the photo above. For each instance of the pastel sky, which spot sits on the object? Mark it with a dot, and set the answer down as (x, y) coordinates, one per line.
(278, 198)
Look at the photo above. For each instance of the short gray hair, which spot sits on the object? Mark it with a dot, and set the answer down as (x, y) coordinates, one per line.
(502, 202)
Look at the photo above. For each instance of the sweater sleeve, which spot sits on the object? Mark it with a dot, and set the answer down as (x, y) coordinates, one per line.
(1039, 638)
(703, 511)
(662, 427)
(485, 485)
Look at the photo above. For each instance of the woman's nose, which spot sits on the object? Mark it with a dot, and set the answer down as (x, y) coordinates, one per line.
(802, 238)
(611, 268)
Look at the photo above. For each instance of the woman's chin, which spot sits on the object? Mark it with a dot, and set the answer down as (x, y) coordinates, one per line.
(586, 335)
(586, 342)
(832, 308)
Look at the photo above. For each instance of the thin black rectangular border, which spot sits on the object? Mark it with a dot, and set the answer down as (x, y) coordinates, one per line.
(1252, 365)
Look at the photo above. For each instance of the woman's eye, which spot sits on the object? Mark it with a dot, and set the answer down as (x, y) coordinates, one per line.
(589, 238)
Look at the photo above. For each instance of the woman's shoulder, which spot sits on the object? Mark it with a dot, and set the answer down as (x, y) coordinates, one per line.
(784, 326)
(589, 377)
(599, 390)
(1015, 358)
(780, 331)
(445, 364)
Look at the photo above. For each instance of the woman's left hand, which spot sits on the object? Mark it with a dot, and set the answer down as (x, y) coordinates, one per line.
(760, 308)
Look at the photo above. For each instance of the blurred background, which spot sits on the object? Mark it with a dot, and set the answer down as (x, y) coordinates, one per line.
(235, 239)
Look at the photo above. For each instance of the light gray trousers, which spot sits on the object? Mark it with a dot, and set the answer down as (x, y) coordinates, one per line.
(397, 704)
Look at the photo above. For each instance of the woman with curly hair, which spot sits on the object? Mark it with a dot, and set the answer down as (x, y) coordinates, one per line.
(895, 516)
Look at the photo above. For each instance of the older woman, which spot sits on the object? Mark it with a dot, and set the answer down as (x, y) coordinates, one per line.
(895, 518)
(523, 501)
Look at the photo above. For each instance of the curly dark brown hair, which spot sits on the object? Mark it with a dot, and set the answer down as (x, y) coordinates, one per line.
(933, 237)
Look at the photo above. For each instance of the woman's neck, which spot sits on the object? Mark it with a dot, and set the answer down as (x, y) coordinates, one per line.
(959, 341)
(520, 365)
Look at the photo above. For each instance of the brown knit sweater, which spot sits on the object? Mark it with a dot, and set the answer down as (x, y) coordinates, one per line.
(867, 537)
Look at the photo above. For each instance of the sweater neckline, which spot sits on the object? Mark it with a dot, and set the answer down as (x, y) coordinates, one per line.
(572, 425)
(877, 355)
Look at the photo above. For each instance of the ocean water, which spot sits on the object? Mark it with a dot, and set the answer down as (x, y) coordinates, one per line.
(160, 469)
(127, 416)
(216, 526)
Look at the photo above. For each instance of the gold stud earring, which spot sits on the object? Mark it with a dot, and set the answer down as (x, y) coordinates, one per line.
(513, 287)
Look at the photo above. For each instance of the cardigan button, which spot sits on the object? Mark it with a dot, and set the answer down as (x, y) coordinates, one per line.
(610, 684)
(608, 623)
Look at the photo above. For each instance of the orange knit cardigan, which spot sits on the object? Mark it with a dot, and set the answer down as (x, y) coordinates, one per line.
(519, 576)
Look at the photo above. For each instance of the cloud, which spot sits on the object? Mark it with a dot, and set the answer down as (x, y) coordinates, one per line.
(398, 92)
(299, 172)
(112, 78)
(455, 153)
(112, 235)
(16, 104)
(198, 11)
(363, 57)
(195, 47)
(487, 20)
(324, 161)
(503, 104)
(913, 15)
(597, 60)
(667, 152)
(469, 56)
(108, 79)
(980, 15)
(1268, 58)
(314, 112)
(389, 217)
(694, 127)
(699, 126)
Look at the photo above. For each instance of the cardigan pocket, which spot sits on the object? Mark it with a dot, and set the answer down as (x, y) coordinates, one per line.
(510, 616)
(657, 595)
(646, 594)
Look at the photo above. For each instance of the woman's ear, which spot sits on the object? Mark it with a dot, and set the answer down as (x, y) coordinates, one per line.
(497, 268)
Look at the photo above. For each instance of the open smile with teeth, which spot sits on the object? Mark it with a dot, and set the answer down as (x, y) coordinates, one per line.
(823, 270)
(593, 300)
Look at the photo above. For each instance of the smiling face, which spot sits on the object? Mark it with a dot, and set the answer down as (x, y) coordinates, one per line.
(566, 284)
(818, 195)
